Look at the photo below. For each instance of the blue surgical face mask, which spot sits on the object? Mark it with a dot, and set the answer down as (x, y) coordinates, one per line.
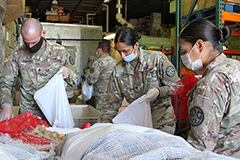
(130, 57)
(97, 54)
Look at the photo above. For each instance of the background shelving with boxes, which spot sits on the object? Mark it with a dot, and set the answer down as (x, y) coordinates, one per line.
(152, 25)
(221, 12)
(155, 34)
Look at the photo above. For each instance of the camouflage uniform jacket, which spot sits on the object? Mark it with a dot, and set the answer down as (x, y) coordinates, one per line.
(33, 72)
(153, 70)
(99, 76)
(214, 108)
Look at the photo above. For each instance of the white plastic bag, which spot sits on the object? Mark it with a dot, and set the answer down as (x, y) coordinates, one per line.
(136, 114)
(87, 91)
(52, 100)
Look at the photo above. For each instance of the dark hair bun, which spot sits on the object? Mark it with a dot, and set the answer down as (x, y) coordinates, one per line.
(223, 34)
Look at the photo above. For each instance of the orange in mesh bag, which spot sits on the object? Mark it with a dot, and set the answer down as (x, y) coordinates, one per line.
(15, 127)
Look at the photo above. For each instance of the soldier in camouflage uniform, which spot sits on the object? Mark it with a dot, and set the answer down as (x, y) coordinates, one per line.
(33, 65)
(100, 72)
(141, 72)
(214, 102)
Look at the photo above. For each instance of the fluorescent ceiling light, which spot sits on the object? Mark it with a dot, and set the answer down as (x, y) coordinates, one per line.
(106, 1)
(110, 36)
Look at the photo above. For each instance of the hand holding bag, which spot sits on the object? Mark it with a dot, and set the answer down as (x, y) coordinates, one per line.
(52, 100)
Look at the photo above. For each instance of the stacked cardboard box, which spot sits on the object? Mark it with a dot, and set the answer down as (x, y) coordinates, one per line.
(203, 4)
(52, 14)
(156, 19)
(10, 36)
(14, 10)
(164, 32)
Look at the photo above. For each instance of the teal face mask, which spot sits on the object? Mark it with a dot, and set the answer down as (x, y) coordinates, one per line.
(130, 57)
(97, 54)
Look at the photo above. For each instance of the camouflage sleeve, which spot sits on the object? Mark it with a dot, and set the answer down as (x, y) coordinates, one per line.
(169, 77)
(72, 69)
(205, 112)
(114, 100)
(9, 71)
(94, 73)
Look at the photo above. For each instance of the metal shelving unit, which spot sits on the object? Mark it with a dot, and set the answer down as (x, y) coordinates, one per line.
(223, 12)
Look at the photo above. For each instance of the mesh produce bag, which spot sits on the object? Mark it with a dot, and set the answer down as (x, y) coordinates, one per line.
(23, 151)
(21, 122)
(16, 126)
(180, 98)
(123, 142)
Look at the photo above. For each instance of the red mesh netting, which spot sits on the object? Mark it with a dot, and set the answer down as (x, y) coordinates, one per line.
(180, 98)
(15, 127)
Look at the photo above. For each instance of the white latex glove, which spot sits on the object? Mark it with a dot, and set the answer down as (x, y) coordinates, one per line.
(151, 95)
(6, 113)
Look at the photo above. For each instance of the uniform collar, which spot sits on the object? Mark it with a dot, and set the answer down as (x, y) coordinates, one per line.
(104, 55)
(218, 60)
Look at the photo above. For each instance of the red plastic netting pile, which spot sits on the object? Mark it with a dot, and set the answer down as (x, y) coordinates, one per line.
(15, 127)
(180, 98)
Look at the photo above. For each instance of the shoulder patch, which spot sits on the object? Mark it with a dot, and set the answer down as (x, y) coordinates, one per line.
(7, 59)
(196, 116)
(170, 71)
(71, 60)
(91, 70)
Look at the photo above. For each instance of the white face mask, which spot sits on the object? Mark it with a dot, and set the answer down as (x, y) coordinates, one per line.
(196, 65)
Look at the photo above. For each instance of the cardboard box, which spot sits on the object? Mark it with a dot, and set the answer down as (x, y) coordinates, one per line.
(164, 32)
(187, 4)
(64, 18)
(203, 4)
(155, 26)
(172, 7)
(52, 18)
(8, 50)
(9, 38)
(84, 113)
(14, 10)
(11, 26)
(156, 15)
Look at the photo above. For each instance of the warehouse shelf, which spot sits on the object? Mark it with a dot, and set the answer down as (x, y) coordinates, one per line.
(231, 13)
(230, 16)
(235, 33)
(222, 14)
(205, 13)
(186, 71)
(231, 52)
